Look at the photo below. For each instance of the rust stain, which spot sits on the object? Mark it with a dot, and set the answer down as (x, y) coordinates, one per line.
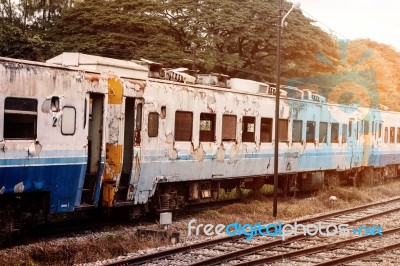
(92, 78)
(137, 84)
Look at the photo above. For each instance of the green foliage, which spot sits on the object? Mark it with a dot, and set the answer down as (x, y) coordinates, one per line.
(15, 43)
(233, 37)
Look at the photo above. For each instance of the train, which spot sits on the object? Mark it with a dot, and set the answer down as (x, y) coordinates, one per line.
(82, 132)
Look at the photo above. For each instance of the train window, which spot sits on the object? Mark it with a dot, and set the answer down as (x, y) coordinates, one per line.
(380, 130)
(266, 130)
(335, 133)
(373, 128)
(139, 109)
(283, 130)
(248, 129)
(323, 132)
(183, 126)
(229, 127)
(310, 132)
(344, 133)
(386, 134)
(153, 124)
(297, 130)
(366, 127)
(350, 128)
(392, 135)
(163, 113)
(398, 135)
(20, 118)
(207, 127)
(55, 104)
(68, 120)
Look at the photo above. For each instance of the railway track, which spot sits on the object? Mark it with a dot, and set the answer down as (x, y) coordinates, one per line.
(82, 224)
(293, 250)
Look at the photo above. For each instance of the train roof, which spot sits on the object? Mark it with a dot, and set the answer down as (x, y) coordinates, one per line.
(123, 68)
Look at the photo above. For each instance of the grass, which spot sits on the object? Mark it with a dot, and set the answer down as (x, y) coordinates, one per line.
(124, 240)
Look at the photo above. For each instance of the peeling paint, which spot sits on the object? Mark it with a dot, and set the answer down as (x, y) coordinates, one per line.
(234, 152)
(135, 84)
(46, 106)
(3, 146)
(19, 188)
(197, 154)
(38, 148)
(211, 103)
(220, 153)
(136, 168)
(113, 121)
(171, 151)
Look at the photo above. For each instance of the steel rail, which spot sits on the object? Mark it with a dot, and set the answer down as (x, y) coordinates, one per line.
(173, 251)
(325, 247)
(360, 255)
(251, 250)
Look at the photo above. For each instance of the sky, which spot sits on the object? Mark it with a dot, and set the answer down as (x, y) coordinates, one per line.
(377, 20)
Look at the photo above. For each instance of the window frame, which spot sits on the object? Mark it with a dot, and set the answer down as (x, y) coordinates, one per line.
(248, 136)
(32, 112)
(297, 122)
(187, 138)
(392, 134)
(157, 125)
(209, 135)
(312, 134)
(62, 121)
(264, 133)
(333, 139)
(326, 132)
(222, 132)
(283, 134)
(345, 133)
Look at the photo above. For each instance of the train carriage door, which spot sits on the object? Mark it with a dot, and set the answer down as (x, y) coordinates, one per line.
(351, 140)
(95, 143)
(131, 147)
(129, 125)
(135, 152)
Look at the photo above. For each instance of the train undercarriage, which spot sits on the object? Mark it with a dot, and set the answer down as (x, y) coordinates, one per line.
(177, 195)
(20, 210)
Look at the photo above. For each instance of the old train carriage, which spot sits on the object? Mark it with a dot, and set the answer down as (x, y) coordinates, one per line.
(169, 142)
(201, 138)
(52, 136)
(172, 142)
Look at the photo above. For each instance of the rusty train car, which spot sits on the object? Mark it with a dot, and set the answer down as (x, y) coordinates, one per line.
(83, 132)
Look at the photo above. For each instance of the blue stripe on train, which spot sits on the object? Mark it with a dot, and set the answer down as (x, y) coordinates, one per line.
(64, 182)
(41, 161)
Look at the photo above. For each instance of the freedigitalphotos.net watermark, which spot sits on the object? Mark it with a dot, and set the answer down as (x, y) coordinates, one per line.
(280, 229)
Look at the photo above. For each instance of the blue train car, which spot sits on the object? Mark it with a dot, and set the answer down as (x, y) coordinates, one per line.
(51, 137)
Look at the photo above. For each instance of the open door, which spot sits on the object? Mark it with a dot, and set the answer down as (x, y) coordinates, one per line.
(95, 142)
(128, 145)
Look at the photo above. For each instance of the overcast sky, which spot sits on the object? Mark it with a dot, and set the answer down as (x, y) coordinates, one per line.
(378, 20)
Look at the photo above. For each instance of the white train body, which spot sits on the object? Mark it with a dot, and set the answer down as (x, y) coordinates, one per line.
(171, 144)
